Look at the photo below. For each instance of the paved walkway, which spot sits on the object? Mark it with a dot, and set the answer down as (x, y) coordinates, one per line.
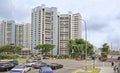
(106, 70)
(103, 70)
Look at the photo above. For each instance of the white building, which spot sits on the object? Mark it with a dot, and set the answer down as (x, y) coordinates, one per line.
(44, 27)
(7, 32)
(69, 26)
(23, 35)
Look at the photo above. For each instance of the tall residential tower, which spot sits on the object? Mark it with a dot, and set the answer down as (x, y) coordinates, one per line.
(23, 35)
(7, 32)
(44, 27)
(69, 28)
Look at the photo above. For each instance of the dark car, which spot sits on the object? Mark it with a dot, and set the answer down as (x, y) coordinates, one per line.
(38, 64)
(15, 62)
(6, 66)
(45, 57)
(55, 66)
(45, 69)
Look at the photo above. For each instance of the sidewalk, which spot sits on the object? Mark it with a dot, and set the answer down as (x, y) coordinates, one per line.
(106, 70)
(103, 70)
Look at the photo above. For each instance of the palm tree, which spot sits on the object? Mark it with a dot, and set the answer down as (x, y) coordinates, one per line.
(105, 48)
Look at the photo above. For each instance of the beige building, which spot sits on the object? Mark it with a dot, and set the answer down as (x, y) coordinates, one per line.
(26, 52)
(19, 35)
(69, 26)
(7, 32)
(23, 35)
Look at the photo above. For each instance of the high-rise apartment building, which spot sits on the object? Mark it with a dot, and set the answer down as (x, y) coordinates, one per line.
(44, 27)
(19, 35)
(23, 35)
(27, 36)
(7, 32)
(69, 26)
(2, 32)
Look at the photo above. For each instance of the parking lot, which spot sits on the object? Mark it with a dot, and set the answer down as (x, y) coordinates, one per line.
(69, 65)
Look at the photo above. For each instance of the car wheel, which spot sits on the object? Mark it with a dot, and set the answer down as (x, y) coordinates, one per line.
(30, 69)
(55, 68)
(7, 69)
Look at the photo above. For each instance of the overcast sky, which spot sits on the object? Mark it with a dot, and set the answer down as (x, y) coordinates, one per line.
(102, 16)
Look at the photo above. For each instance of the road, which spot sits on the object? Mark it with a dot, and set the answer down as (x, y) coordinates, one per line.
(69, 65)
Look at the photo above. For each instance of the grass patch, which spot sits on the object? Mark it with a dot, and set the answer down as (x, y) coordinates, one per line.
(21, 60)
(92, 70)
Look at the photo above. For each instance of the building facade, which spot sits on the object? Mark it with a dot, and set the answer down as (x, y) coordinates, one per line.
(7, 32)
(69, 26)
(27, 35)
(44, 28)
(23, 35)
(19, 35)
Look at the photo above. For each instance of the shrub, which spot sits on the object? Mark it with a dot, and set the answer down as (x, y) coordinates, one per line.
(63, 56)
(8, 56)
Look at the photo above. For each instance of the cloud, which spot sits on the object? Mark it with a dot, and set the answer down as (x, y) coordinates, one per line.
(96, 26)
(102, 16)
(114, 39)
(6, 9)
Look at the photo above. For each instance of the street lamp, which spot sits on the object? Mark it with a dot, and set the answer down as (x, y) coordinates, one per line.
(85, 37)
(85, 43)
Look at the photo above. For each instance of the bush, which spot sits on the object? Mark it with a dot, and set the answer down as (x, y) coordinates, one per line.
(63, 56)
(8, 56)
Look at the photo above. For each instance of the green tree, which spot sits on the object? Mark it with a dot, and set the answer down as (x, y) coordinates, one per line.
(105, 51)
(44, 48)
(105, 48)
(78, 46)
(10, 49)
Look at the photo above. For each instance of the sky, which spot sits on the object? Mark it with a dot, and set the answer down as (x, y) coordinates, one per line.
(102, 16)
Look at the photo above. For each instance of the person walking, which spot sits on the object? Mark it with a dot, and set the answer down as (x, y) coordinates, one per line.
(115, 69)
(112, 63)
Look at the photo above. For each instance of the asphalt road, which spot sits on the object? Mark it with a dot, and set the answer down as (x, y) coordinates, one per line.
(69, 65)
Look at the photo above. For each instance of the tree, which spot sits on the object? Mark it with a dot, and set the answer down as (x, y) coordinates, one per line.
(39, 47)
(105, 51)
(105, 48)
(79, 46)
(10, 49)
(45, 48)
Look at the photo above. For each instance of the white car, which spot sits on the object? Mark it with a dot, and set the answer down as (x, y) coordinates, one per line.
(30, 63)
(20, 69)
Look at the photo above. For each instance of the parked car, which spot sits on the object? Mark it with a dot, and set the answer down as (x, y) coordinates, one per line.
(6, 66)
(16, 71)
(15, 62)
(55, 66)
(45, 57)
(45, 69)
(38, 64)
(30, 64)
(78, 59)
(21, 68)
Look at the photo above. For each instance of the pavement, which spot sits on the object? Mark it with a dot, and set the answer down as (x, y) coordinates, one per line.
(103, 70)
(106, 70)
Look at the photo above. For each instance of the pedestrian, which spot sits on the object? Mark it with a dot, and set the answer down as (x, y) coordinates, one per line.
(112, 63)
(115, 69)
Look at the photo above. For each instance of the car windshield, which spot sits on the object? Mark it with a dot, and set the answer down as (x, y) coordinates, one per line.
(45, 68)
(16, 72)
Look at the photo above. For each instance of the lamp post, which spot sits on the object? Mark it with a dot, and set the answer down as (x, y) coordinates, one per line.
(85, 37)
(85, 44)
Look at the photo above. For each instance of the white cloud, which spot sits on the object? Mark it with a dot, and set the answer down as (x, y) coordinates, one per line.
(102, 16)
